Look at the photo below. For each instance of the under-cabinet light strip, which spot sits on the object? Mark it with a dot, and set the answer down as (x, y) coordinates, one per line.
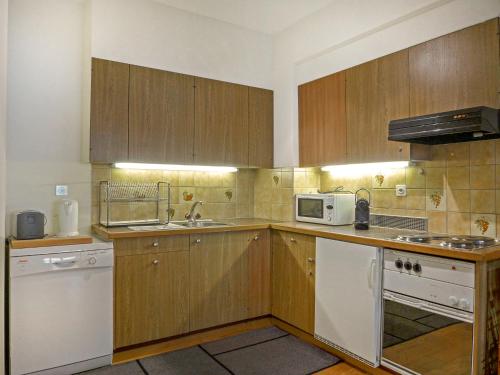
(366, 167)
(175, 167)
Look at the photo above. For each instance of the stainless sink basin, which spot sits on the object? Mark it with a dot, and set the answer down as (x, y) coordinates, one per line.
(200, 224)
(179, 224)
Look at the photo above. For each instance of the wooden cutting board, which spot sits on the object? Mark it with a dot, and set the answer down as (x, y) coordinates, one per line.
(49, 241)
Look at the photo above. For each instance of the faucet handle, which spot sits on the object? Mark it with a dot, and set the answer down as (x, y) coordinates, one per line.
(197, 216)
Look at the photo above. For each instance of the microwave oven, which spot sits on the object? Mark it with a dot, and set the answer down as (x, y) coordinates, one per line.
(330, 209)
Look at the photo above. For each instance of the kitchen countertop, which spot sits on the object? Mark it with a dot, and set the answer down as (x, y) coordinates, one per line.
(375, 236)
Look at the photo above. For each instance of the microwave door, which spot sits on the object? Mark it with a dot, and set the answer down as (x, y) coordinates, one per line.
(310, 208)
(423, 338)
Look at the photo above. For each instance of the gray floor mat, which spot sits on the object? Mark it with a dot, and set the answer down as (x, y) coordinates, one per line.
(244, 339)
(191, 361)
(284, 356)
(130, 368)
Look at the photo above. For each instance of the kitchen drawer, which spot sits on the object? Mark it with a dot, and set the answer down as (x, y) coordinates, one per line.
(296, 239)
(150, 245)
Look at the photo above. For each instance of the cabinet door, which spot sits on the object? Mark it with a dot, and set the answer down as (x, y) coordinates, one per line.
(109, 111)
(293, 279)
(377, 92)
(161, 116)
(259, 273)
(219, 279)
(151, 297)
(455, 71)
(221, 123)
(322, 121)
(260, 128)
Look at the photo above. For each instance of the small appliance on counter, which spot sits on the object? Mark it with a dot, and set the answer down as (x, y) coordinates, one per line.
(67, 212)
(362, 211)
(29, 225)
(330, 209)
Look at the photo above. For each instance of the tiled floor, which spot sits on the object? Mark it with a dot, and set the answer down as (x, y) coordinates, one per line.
(263, 351)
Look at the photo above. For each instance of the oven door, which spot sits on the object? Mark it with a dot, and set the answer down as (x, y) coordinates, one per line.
(420, 337)
(310, 209)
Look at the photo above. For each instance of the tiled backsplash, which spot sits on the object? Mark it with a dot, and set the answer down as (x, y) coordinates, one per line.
(275, 191)
(458, 190)
(225, 195)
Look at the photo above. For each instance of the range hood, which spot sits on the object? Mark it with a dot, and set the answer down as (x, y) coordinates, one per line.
(471, 124)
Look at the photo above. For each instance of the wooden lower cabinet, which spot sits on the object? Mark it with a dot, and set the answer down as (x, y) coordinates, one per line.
(259, 273)
(293, 275)
(172, 285)
(151, 297)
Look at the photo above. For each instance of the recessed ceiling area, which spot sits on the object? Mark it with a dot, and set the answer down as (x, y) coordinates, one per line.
(267, 16)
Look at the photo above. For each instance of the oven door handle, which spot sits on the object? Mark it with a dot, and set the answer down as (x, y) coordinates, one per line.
(407, 302)
(454, 314)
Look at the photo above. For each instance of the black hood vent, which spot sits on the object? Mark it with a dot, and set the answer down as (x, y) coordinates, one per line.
(471, 124)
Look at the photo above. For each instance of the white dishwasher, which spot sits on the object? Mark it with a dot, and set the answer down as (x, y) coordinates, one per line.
(348, 298)
(61, 308)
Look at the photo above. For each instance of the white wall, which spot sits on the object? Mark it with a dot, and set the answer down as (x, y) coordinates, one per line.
(148, 33)
(350, 32)
(3, 121)
(45, 107)
(50, 44)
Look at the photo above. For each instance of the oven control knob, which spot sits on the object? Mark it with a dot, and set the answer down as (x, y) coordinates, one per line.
(408, 265)
(417, 268)
(329, 207)
(453, 300)
(463, 303)
(399, 264)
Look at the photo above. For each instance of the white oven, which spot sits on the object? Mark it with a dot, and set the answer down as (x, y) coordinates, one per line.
(331, 209)
(428, 314)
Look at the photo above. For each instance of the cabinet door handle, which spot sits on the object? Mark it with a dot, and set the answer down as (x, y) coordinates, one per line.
(156, 261)
(256, 238)
(310, 260)
(197, 240)
(293, 240)
(310, 273)
(155, 244)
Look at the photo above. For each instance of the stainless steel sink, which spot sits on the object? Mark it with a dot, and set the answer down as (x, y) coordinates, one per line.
(200, 224)
(179, 224)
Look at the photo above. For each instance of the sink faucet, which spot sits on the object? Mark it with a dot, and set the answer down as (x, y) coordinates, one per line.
(190, 216)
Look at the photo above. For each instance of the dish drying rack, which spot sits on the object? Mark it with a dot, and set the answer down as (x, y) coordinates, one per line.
(113, 194)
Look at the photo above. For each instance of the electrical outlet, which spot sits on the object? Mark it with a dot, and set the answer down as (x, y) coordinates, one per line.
(61, 190)
(400, 190)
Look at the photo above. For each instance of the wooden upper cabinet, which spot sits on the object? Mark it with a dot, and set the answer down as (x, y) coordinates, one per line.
(161, 116)
(377, 92)
(458, 70)
(322, 121)
(109, 111)
(260, 128)
(221, 123)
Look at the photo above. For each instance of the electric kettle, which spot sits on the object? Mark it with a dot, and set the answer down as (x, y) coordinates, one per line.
(67, 210)
(362, 211)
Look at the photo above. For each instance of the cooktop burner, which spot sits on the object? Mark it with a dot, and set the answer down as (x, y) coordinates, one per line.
(453, 242)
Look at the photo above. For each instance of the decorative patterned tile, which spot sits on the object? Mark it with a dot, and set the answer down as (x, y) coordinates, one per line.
(436, 200)
(483, 225)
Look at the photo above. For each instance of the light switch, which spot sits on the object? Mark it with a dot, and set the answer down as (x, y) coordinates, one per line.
(400, 190)
(61, 190)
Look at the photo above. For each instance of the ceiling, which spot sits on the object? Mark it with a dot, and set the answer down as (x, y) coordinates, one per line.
(267, 16)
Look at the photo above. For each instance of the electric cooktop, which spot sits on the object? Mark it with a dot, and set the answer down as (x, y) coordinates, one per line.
(453, 242)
